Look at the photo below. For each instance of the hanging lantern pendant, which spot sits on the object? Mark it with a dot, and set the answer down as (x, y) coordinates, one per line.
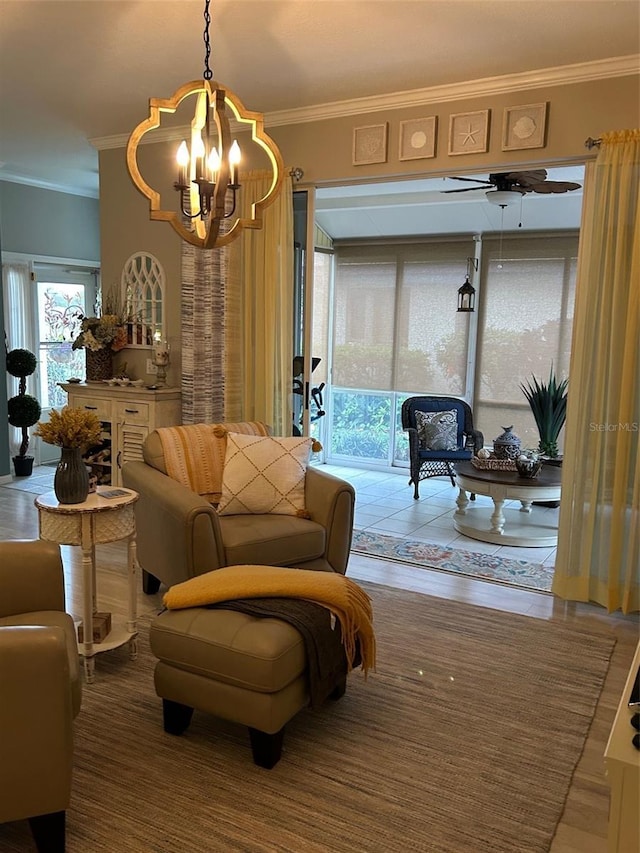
(467, 293)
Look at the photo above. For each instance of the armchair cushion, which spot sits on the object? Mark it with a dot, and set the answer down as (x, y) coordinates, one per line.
(264, 474)
(437, 430)
(271, 540)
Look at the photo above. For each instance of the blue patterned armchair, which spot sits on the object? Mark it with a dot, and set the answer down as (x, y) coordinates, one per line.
(441, 432)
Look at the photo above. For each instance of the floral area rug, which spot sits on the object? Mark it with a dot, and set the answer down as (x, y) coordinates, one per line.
(519, 573)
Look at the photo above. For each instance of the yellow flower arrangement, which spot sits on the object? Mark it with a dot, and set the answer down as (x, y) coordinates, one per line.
(70, 428)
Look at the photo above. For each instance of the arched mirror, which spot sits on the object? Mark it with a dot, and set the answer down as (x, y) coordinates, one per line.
(142, 287)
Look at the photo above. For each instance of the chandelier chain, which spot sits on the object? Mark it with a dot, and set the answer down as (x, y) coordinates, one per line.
(208, 74)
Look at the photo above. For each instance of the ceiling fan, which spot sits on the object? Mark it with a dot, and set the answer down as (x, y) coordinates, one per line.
(508, 187)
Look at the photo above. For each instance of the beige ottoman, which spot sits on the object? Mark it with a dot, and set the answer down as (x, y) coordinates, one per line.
(241, 668)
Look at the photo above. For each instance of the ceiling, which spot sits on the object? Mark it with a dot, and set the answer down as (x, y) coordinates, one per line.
(405, 208)
(72, 71)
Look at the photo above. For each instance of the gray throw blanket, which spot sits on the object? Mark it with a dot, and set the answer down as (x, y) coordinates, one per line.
(326, 659)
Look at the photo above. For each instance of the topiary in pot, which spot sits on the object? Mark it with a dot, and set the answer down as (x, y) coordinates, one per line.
(24, 410)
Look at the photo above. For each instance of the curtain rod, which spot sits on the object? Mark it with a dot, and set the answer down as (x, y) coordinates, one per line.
(296, 173)
(592, 143)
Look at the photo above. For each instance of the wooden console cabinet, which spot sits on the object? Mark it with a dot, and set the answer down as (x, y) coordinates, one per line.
(128, 415)
(622, 762)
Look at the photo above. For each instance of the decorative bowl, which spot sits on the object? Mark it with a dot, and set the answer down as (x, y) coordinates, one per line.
(529, 468)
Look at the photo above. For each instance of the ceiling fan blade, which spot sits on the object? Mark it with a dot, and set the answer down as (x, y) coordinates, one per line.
(554, 187)
(467, 189)
(533, 176)
(480, 181)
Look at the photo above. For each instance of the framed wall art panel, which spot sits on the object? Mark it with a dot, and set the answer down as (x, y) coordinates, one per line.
(469, 132)
(418, 138)
(524, 127)
(370, 144)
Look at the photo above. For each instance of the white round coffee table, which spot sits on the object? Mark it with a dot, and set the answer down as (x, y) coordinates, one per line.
(528, 526)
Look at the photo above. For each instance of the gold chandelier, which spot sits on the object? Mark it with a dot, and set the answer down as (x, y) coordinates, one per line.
(206, 177)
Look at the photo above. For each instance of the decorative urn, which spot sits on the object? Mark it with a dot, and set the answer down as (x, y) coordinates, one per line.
(507, 445)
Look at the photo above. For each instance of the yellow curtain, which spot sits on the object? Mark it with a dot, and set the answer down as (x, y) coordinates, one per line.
(598, 555)
(259, 313)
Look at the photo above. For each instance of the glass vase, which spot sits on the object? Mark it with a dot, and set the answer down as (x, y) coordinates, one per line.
(71, 480)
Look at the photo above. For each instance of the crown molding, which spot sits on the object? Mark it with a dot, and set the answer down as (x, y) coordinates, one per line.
(40, 183)
(561, 75)
(621, 66)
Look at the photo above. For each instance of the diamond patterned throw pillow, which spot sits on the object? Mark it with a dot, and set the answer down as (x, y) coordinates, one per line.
(264, 474)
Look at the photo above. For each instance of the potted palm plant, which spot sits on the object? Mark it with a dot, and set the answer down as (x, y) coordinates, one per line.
(548, 401)
(24, 410)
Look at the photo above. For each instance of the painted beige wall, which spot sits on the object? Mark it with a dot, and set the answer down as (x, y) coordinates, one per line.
(125, 229)
(323, 149)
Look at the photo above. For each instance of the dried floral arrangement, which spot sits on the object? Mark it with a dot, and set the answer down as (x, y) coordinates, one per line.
(106, 332)
(70, 428)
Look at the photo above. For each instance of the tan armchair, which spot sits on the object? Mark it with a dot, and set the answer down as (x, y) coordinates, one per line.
(40, 689)
(180, 534)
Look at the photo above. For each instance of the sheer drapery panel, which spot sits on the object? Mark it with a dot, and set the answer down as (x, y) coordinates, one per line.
(20, 328)
(598, 555)
(259, 314)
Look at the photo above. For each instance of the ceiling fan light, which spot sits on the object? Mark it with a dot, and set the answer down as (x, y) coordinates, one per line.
(503, 198)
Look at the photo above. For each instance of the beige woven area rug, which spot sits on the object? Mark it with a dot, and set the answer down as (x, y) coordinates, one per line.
(465, 740)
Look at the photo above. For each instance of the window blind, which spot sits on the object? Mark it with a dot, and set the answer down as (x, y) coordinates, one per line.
(396, 327)
(525, 322)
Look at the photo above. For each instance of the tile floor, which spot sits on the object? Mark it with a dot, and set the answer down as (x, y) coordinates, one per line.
(385, 503)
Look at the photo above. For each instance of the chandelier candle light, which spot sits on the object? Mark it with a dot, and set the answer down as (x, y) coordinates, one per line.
(206, 176)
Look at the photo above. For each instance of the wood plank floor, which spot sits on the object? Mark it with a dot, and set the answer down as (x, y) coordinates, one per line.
(584, 824)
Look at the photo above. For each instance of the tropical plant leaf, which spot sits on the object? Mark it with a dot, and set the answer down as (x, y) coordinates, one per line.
(548, 402)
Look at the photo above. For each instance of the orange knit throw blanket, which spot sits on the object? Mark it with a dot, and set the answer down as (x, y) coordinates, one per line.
(194, 454)
(339, 594)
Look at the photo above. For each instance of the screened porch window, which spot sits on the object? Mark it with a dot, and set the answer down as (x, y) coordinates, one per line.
(396, 332)
(526, 317)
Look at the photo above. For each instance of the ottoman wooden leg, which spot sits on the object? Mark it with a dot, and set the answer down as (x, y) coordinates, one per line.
(150, 583)
(48, 831)
(339, 690)
(176, 717)
(266, 748)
